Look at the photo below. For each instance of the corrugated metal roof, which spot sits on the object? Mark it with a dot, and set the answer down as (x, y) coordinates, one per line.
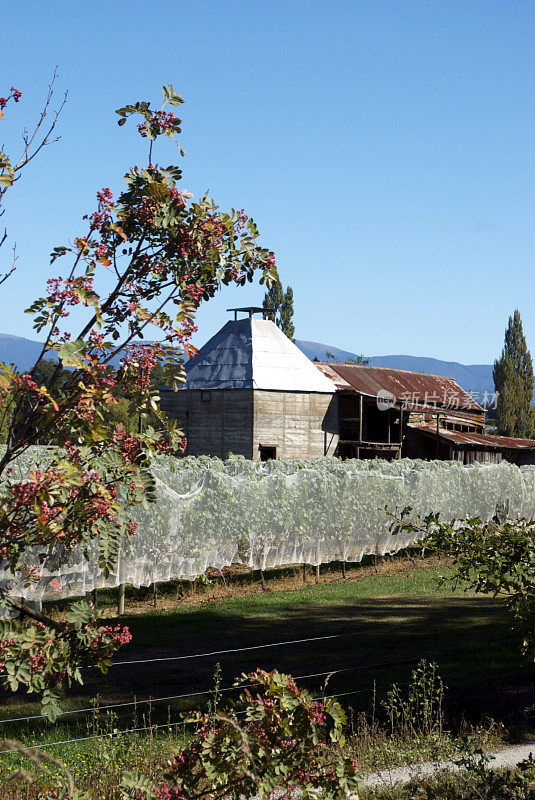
(254, 354)
(481, 439)
(329, 371)
(416, 389)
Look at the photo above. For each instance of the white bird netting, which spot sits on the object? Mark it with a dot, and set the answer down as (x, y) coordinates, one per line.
(213, 513)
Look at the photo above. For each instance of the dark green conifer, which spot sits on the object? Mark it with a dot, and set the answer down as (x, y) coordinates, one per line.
(514, 383)
(278, 306)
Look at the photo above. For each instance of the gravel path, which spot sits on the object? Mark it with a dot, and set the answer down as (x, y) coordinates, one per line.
(508, 757)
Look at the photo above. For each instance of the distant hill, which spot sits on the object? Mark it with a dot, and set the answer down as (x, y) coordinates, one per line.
(470, 377)
(19, 351)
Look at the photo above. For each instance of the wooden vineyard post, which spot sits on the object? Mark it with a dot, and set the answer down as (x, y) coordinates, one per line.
(120, 602)
(262, 579)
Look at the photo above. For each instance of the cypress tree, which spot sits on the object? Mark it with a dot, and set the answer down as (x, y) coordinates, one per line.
(286, 314)
(273, 301)
(514, 383)
(278, 306)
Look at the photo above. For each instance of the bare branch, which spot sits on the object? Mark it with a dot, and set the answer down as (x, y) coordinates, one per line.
(11, 270)
(29, 138)
(34, 142)
(39, 757)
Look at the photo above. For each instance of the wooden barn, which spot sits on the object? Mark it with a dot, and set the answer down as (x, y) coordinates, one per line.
(250, 391)
(391, 413)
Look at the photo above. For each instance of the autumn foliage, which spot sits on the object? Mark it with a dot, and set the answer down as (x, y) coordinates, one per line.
(141, 266)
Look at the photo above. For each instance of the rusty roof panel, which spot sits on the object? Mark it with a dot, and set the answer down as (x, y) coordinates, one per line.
(329, 372)
(481, 439)
(415, 389)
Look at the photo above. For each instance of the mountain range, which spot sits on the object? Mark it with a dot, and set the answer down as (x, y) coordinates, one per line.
(470, 377)
(476, 378)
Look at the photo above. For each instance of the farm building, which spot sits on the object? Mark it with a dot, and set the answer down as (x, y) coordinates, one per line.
(392, 413)
(250, 391)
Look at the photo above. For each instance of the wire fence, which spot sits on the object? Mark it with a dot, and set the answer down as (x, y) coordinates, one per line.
(264, 646)
(181, 724)
(335, 671)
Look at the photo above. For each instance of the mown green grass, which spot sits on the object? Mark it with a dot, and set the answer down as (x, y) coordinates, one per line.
(383, 624)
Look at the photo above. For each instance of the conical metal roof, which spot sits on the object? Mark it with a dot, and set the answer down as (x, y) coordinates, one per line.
(254, 354)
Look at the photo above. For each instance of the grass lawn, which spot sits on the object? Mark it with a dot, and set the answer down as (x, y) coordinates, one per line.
(380, 624)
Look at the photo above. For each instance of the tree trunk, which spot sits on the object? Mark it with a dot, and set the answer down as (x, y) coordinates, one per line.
(304, 573)
(94, 595)
(155, 594)
(317, 572)
(344, 574)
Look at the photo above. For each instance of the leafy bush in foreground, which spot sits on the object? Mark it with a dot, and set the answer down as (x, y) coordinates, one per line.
(277, 737)
(277, 740)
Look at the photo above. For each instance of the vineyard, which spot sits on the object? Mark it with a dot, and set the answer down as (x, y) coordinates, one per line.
(211, 513)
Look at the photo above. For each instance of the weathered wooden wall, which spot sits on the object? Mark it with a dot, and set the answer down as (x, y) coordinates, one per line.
(299, 424)
(217, 426)
(420, 445)
(468, 456)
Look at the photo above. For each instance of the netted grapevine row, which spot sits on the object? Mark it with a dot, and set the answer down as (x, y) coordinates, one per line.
(213, 513)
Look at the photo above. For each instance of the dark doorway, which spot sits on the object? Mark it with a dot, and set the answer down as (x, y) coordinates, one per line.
(267, 453)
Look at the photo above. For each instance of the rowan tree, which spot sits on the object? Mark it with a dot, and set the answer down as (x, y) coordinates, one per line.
(163, 254)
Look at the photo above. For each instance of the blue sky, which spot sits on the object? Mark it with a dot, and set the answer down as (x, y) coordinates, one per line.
(385, 149)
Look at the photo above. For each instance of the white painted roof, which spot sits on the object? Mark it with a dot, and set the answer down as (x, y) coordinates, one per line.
(254, 354)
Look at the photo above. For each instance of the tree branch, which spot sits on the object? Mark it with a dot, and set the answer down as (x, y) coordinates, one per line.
(36, 615)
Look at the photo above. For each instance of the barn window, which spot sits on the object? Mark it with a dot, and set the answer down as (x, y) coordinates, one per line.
(267, 452)
(205, 397)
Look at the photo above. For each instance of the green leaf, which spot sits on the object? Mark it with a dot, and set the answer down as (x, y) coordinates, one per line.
(72, 353)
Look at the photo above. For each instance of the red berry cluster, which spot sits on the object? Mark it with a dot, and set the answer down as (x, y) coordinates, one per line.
(14, 94)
